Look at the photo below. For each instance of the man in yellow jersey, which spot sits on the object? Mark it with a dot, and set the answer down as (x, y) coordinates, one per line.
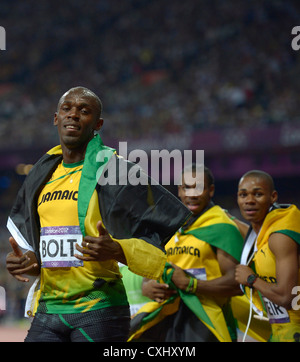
(203, 256)
(270, 263)
(78, 216)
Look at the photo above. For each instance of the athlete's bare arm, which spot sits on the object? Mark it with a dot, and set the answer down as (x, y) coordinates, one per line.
(286, 253)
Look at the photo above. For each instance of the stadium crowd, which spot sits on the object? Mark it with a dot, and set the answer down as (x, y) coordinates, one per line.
(160, 67)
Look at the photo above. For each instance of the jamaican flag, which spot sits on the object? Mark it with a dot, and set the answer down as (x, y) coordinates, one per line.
(284, 220)
(142, 216)
(188, 317)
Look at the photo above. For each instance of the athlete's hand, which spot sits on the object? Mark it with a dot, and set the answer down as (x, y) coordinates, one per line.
(156, 291)
(18, 263)
(241, 273)
(180, 278)
(100, 248)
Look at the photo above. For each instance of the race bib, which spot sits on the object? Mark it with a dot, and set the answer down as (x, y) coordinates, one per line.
(276, 313)
(57, 246)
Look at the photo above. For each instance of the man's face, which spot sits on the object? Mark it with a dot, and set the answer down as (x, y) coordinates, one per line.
(255, 197)
(77, 117)
(192, 195)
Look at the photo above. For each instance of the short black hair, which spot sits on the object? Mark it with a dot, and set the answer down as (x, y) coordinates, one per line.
(263, 175)
(85, 91)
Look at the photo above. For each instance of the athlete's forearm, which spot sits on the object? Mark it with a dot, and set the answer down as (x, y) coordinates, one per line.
(222, 287)
(225, 285)
(118, 254)
(274, 293)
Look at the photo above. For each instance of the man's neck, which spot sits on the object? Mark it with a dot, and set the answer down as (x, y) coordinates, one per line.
(73, 155)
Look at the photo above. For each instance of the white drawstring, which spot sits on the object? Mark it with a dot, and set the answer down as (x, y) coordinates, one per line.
(250, 317)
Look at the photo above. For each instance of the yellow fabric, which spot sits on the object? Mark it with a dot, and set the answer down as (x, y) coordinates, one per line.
(166, 310)
(188, 252)
(55, 150)
(214, 215)
(259, 329)
(279, 220)
(283, 333)
(143, 258)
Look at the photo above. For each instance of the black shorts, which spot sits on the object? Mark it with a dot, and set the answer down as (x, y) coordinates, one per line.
(103, 325)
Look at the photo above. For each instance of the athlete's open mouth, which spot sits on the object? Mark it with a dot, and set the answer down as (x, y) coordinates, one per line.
(72, 127)
(192, 206)
(250, 211)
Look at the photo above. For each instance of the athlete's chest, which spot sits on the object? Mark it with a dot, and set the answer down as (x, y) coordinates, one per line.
(194, 255)
(265, 264)
(57, 202)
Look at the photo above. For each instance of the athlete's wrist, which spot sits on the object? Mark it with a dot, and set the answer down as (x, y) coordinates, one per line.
(192, 286)
(118, 253)
(251, 279)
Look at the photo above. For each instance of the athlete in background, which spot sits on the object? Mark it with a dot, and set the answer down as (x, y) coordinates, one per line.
(203, 254)
(271, 256)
